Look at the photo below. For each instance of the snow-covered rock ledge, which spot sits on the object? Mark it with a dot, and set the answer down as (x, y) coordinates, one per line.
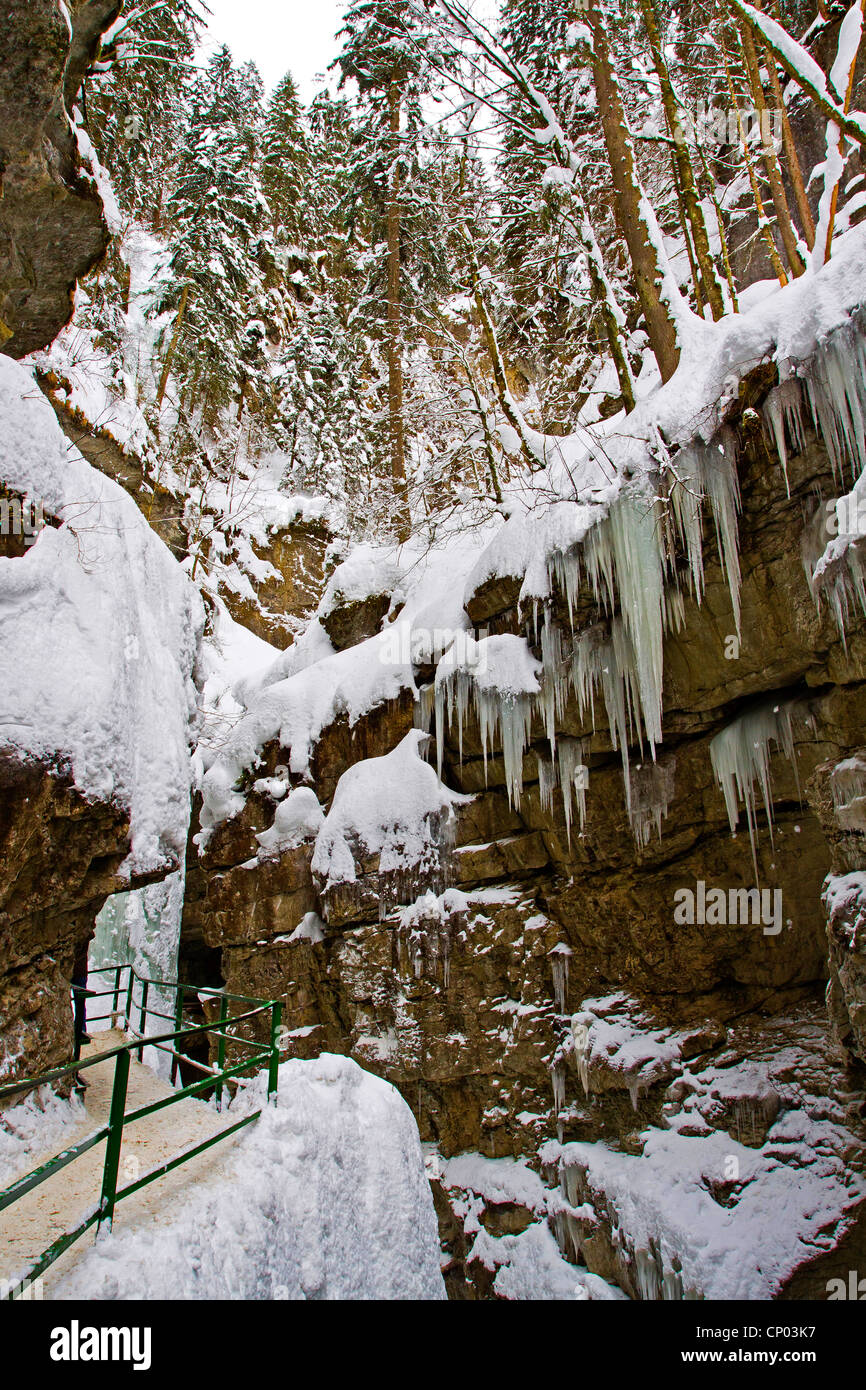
(99, 634)
(99, 628)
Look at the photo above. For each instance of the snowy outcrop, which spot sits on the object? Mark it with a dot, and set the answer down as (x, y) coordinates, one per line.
(499, 1215)
(845, 901)
(748, 1179)
(394, 811)
(312, 689)
(99, 628)
(325, 1197)
(358, 595)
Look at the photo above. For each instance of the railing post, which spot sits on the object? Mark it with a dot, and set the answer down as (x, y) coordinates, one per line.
(178, 1024)
(274, 1067)
(114, 1141)
(76, 1041)
(116, 1000)
(142, 1022)
(128, 1020)
(221, 1051)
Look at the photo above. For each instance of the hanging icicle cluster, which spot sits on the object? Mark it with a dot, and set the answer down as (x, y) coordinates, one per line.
(629, 561)
(832, 384)
(740, 756)
(652, 791)
(569, 771)
(831, 387)
(638, 562)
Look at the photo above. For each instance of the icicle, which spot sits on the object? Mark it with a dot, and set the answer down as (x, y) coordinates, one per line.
(571, 774)
(648, 1277)
(573, 778)
(624, 560)
(740, 756)
(557, 1078)
(425, 707)
(652, 792)
(559, 960)
(833, 382)
(708, 471)
(848, 783)
(580, 1048)
(499, 675)
(547, 780)
(625, 564)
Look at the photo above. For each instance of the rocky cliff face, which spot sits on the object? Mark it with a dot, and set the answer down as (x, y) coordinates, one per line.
(552, 1004)
(52, 224)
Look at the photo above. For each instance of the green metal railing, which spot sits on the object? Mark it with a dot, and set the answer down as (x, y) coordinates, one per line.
(124, 1004)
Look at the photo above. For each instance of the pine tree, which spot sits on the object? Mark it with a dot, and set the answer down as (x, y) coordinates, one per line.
(286, 169)
(220, 225)
(383, 54)
(135, 100)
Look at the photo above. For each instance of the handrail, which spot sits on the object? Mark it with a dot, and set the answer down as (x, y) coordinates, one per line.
(147, 1040)
(112, 1132)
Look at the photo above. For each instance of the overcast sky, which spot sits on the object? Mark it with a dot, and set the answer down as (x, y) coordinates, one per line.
(281, 36)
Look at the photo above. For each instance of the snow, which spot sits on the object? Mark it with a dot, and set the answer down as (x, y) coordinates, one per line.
(532, 1267)
(594, 516)
(663, 1203)
(496, 1179)
(110, 390)
(501, 676)
(843, 891)
(298, 818)
(99, 628)
(797, 59)
(310, 928)
(295, 711)
(325, 1197)
(40, 1124)
(369, 570)
(529, 1266)
(394, 807)
(98, 173)
(310, 686)
(850, 38)
(615, 1044)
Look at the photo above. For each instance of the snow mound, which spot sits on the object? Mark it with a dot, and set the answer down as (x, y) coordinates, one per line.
(393, 806)
(325, 1197)
(368, 571)
(298, 818)
(99, 629)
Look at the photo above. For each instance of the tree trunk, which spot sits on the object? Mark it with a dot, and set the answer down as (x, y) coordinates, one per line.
(630, 201)
(771, 163)
(763, 221)
(687, 187)
(509, 410)
(172, 347)
(794, 169)
(395, 356)
(785, 56)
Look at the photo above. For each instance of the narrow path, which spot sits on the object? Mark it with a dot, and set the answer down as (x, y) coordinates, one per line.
(30, 1225)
